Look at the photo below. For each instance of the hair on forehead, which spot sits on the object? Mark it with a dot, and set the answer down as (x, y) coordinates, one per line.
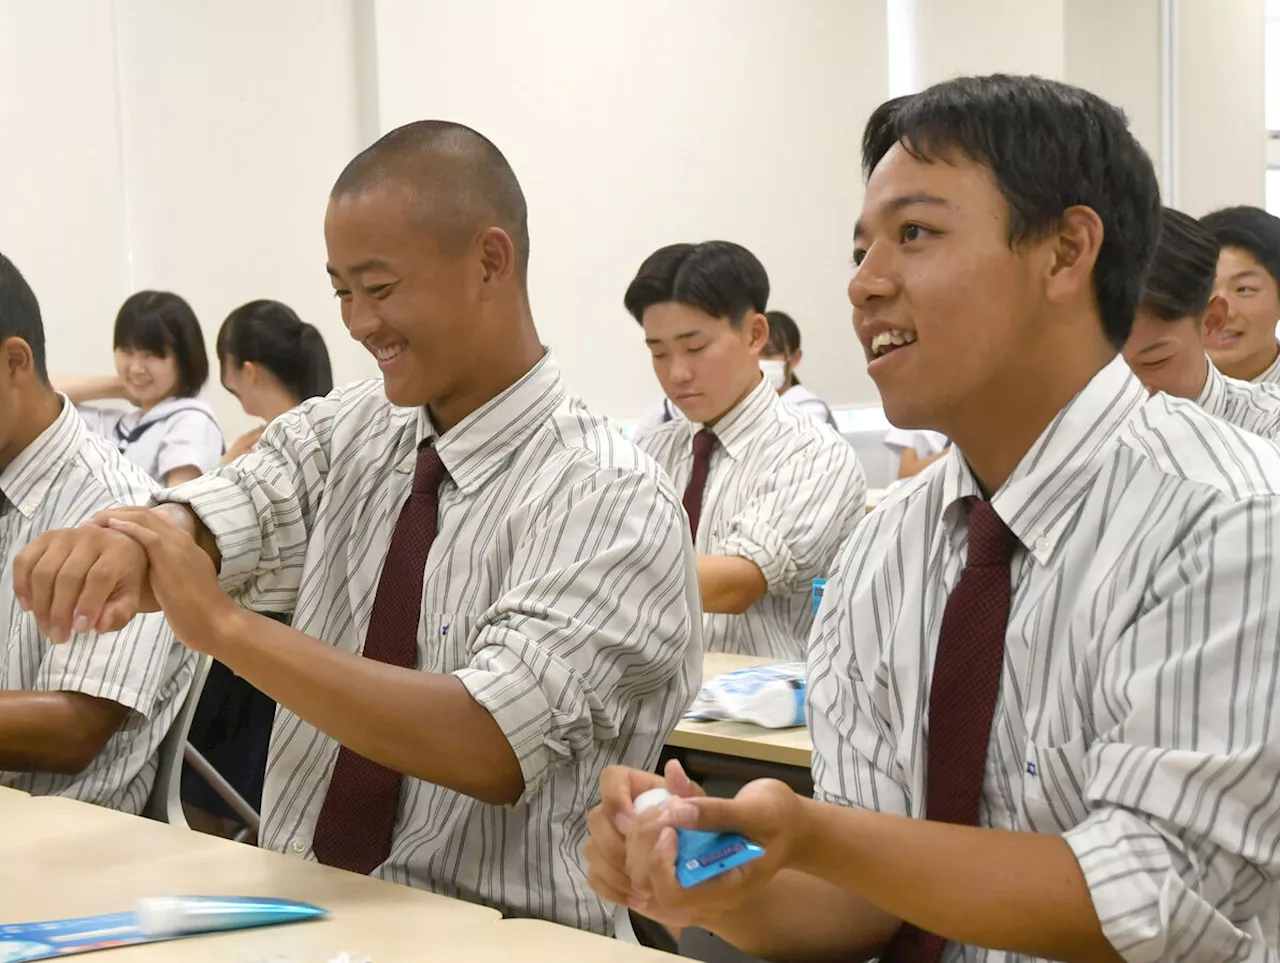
(459, 180)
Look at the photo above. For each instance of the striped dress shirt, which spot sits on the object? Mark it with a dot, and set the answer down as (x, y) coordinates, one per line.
(560, 589)
(61, 480)
(1138, 707)
(1251, 405)
(784, 492)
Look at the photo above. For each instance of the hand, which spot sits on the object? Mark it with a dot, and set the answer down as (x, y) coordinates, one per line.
(243, 445)
(766, 812)
(608, 823)
(182, 576)
(81, 580)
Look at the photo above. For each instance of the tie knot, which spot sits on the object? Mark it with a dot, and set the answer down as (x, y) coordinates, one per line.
(703, 442)
(429, 471)
(990, 541)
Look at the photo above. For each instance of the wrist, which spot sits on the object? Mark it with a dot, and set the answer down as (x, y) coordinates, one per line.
(226, 629)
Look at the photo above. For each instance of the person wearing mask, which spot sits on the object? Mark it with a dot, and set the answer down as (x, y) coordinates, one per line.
(272, 361)
(770, 493)
(85, 723)
(1043, 684)
(1248, 279)
(780, 358)
(1178, 314)
(161, 365)
(493, 595)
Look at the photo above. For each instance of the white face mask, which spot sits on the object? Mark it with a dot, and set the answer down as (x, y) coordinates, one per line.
(775, 372)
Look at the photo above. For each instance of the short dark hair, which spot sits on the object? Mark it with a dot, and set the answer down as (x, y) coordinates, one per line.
(1252, 229)
(719, 277)
(784, 333)
(271, 334)
(1180, 282)
(1050, 146)
(20, 314)
(457, 172)
(163, 324)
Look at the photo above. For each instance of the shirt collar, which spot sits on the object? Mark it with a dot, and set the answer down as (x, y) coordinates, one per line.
(475, 448)
(734, 429)
(26, 480)
(1043, 495)
(1214, 393)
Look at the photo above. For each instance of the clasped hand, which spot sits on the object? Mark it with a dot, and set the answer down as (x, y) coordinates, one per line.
(632, 858)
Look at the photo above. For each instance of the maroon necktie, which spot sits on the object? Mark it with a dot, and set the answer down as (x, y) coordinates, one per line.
(359, 811)
(703, 442)
(962, 699)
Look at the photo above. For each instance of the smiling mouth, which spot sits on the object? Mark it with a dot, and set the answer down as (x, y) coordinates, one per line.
(888, 341)
(388, 353)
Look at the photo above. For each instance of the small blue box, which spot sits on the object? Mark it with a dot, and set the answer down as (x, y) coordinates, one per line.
(818, 585)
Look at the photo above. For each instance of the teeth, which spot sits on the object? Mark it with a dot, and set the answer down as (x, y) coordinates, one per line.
(887, 339)
(386, 354)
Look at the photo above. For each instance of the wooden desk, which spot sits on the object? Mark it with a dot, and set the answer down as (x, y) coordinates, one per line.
(533, 941)
(64, 859)
(11, 795)
(785, 747)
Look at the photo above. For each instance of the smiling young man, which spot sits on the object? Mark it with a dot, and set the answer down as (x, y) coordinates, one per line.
(1178, 313)
(493, 595)
(770, 493)
(1249, 280)
(1042, 685)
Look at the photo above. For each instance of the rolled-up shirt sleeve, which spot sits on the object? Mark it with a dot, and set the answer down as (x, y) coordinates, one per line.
(795, 524)
(1181, 846)
(595, 637)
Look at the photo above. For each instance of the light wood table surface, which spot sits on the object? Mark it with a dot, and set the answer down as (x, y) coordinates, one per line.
(11, 795)
(62, 859)
(787, 747)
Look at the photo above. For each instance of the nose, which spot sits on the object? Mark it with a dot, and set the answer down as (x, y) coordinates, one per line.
(679, 371)
(872, 279)
(360, 317)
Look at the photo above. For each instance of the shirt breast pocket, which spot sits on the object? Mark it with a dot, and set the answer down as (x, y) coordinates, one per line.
(1053, 785)
(446, 642)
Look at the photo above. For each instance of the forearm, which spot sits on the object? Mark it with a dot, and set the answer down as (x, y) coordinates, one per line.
(187, 520)
(729, 584)
(798, 918)
(418, 723)
(57, 732)
(92, 388)
(1019, 892)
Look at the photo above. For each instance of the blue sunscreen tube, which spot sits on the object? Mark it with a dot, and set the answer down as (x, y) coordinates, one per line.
(701, 856)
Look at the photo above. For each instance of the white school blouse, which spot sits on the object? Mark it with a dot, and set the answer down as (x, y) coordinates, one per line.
(560, 589)
(61, 480)
(1139, 712)
(174, 434)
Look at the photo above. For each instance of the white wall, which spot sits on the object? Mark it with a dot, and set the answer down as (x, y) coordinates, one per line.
(635, 126)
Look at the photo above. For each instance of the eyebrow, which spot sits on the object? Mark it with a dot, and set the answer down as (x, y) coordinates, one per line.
(1156, 345)
(679, 337)
(370, 264)
(1246, 273)
(900, 202)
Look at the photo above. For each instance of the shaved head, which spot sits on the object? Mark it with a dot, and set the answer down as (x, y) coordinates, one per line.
(460, 183)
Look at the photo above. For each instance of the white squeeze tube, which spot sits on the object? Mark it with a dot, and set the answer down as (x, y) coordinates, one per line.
(184, 915)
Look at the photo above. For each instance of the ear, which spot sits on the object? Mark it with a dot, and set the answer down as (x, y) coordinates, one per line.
(17, 356)
(756, 326)
(797, 357)
(497, 260)
(1215, 318)
(1073, 253)
(250, 373)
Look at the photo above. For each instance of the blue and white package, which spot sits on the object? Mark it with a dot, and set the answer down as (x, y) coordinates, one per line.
(767, 695)
(701, 856)
(818, 585)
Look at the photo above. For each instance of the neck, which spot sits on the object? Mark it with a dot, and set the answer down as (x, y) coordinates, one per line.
(1202, 374)
(1251, 367)
(994, 431)
(43, 413)
(276, 400)
(742, 396)
(497, 374)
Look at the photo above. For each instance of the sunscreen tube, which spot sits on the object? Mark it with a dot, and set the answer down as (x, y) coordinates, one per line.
(184, 915)
(699, 855)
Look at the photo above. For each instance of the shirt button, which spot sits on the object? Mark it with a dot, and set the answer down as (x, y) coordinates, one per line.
(299, 846)
(1043, 544)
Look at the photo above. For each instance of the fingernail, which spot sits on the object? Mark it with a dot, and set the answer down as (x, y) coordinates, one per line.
(82, 623)
(682, 814)
(43, 627)
(623, 822)
(22, 601)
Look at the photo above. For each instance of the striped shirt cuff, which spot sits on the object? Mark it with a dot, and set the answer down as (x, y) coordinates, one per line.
(227, 511)
(761, 544)
(1147, 910)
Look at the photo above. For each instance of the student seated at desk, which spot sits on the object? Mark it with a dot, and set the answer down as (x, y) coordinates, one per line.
(780, 358)
(161, 366)
(1178, 313)
(82, 722)
(1248, 279)
(770, 494)
(1043, 691)
(493, 594)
